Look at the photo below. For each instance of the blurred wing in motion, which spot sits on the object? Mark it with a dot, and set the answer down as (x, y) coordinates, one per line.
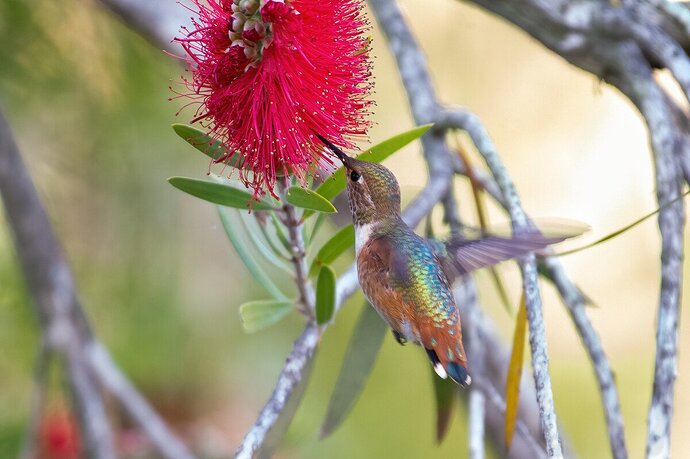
(465, 255)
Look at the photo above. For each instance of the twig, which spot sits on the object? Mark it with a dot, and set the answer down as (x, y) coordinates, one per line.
(291, 376)
(89, 406)
(459, 118)
(475, 351)
(299, 261)
(63, 324)
(476, 423)
(488, 360)
(50, 284)
(537, 333)
(575, 304)
(136, 406)
(637, 82)
(652, 39)
(157, 20)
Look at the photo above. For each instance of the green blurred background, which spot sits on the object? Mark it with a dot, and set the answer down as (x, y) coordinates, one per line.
(87, 100)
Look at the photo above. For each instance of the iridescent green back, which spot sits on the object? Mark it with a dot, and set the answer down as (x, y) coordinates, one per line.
(419, 276)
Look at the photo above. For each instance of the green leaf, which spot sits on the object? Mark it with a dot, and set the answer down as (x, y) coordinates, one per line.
(249, 261)
(257, 315)
(280, 232)
(325, 295)
(203, 142)
(218, 193)
(333, 248)
(263, 244)
(444, 391)
(515, 372)
(310, 200)
(359, 360)
(315, 228)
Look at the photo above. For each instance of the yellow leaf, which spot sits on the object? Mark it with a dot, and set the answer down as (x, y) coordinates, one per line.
(515, 372)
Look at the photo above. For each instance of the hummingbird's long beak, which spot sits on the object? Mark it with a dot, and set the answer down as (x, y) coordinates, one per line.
(337, 151)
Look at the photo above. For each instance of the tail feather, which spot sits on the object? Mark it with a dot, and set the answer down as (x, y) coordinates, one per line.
(458, 373)
(455, 370)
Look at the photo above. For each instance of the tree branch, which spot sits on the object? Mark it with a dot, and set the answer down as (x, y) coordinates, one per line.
(637, 82)
(50, 283)
(624, 56)
(290, 378)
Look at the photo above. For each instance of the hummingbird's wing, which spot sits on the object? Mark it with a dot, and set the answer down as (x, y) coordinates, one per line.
(404, 281)
(466, 255)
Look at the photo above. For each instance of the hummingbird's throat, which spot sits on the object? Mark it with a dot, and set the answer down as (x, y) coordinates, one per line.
(362, 235)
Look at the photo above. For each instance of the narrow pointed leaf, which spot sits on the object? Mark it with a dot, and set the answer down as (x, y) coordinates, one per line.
(515, 372)
(203, 142)
(325, 295)
(333, 248)
(307, 199)
(336, 183)
(219, 193)
(315, 228)
(362, 350)
(280, 232)
(249, 261)
(262, 242)
(445, 392)
(257, 315)
(624, 229)
(279, 251)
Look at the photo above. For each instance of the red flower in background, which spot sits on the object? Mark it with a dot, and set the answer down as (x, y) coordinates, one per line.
(59, 436)
(268, 74)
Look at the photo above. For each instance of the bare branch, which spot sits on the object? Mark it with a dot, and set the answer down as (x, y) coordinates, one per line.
(537, 333)
(289, 379)
(136, 406)
(488, 360)
(626, 60)
(575, 304)
(476, 423)
(299, 261)
(636, 81)
(475, 349)
(158, 20)
(51, 285)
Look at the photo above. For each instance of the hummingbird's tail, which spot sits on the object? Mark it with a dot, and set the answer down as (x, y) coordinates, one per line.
(455, 370)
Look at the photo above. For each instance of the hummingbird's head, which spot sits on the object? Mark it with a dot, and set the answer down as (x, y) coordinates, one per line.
(372, 189)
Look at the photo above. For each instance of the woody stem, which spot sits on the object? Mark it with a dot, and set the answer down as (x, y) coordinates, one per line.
(306, 295)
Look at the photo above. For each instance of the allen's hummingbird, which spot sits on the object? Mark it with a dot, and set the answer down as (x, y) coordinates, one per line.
(408, 278)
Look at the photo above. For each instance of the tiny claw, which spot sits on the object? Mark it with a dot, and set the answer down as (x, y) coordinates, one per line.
(399, 338)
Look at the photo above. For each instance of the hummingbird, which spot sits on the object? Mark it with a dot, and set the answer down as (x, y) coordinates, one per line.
(407, 278)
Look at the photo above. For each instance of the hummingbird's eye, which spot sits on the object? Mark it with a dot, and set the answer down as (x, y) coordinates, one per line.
(354, 175)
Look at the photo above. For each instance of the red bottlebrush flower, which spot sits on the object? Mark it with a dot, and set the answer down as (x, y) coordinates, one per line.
(59, 436)
(268, 74)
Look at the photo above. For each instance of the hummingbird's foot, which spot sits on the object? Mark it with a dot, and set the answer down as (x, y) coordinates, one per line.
(399, 338)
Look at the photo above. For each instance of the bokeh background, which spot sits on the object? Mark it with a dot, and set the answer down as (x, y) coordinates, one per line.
(87, 100)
